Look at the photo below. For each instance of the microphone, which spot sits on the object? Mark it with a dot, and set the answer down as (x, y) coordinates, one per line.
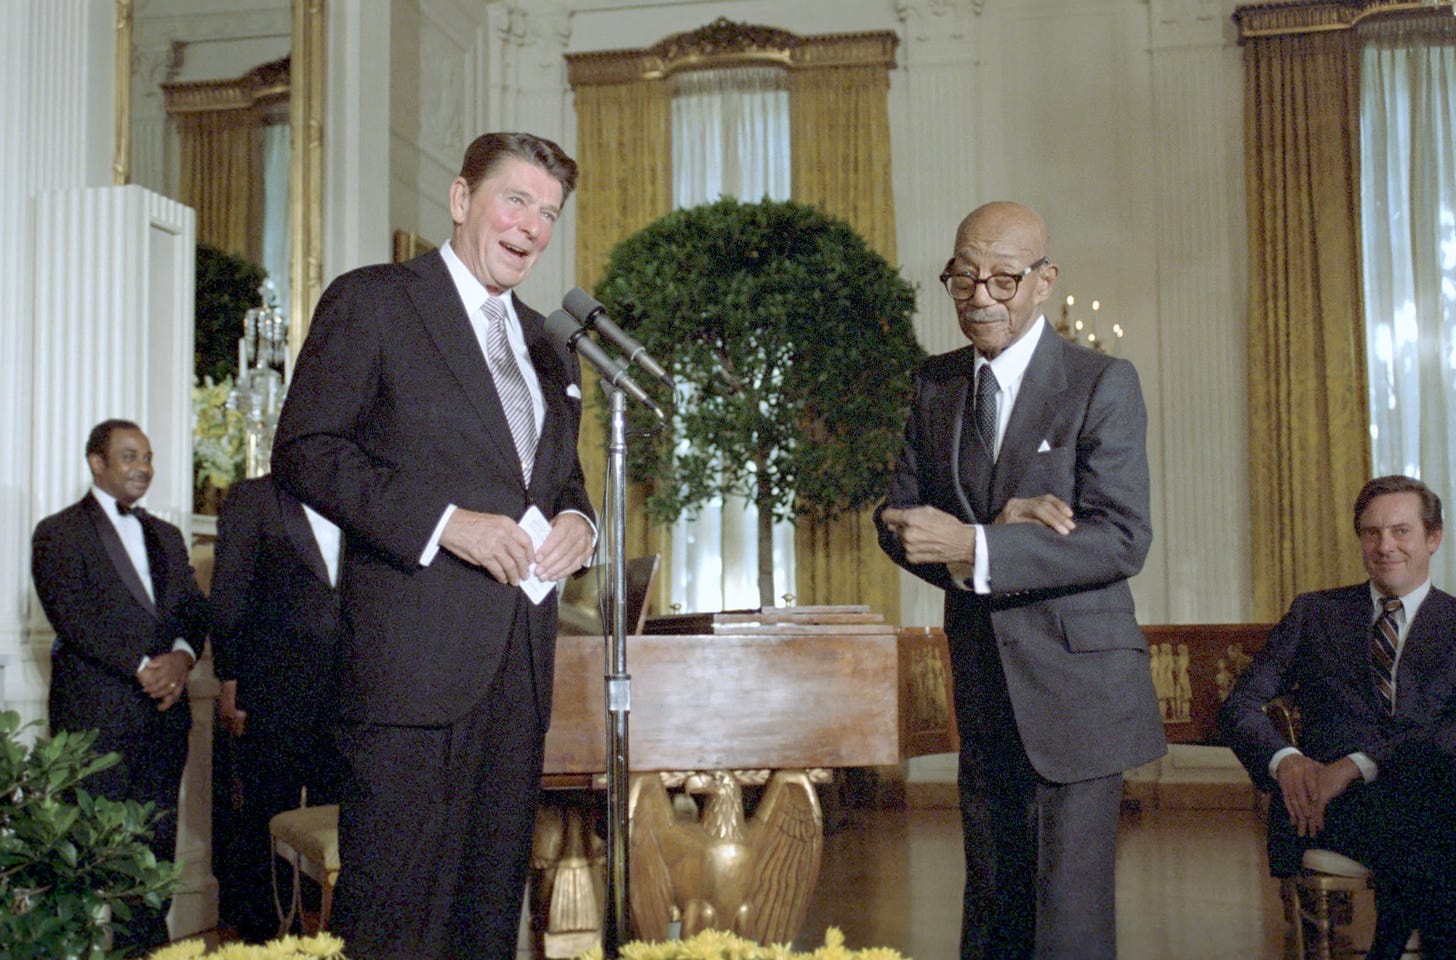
(593, 316)
(565, 330)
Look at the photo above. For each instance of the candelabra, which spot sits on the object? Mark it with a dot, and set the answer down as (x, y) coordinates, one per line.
(262, 379)
(1084, 331)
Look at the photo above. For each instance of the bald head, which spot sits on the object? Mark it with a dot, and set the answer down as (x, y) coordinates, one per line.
(1007, 223)
(1010, 239)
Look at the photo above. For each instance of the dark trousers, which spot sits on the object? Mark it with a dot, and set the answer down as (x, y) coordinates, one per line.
(150, 771)
(1400, 826)
(1039, 855)
(274, 763)
(435, 828)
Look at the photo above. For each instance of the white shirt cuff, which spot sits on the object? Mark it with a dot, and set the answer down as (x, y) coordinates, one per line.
(427, 556)
(976, 575)
(1368, 768)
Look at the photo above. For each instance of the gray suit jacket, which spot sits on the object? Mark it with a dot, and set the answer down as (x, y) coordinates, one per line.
(1060, 611)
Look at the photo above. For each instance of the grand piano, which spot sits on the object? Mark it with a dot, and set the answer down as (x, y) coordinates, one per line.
(757, 703)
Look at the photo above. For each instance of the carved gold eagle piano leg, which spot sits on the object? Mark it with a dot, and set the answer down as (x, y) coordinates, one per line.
(704, 864)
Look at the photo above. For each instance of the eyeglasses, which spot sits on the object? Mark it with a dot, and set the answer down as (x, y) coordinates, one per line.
(1001, 286)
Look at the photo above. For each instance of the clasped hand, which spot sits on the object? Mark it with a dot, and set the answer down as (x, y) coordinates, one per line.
(165, 677)
(499, 545)
(1308, 786)
(930, 535)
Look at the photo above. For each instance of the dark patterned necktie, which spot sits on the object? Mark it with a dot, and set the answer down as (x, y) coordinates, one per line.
(988, 392)
(1383, 641)
(510, 385)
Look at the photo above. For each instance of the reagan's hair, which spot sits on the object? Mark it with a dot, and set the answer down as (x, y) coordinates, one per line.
(489, 149)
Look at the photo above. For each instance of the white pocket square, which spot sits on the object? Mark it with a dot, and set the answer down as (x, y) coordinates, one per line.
(1044, 447)
(573, 391)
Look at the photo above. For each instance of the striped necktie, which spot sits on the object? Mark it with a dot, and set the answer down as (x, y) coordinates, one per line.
(510, 385)
(1383, 642)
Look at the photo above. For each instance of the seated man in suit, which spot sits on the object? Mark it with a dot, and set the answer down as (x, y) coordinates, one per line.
(117, 586)
(1372, 670)
(276, 618)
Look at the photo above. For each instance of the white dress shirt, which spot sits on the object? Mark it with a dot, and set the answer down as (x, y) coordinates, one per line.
(326, 534)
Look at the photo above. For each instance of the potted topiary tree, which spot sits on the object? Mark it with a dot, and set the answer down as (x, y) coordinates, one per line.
(796, 341)
(71, 865)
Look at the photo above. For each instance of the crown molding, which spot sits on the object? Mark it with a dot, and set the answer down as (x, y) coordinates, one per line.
(724, 43)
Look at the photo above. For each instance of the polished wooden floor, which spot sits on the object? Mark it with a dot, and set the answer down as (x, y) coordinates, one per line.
(1191, 885)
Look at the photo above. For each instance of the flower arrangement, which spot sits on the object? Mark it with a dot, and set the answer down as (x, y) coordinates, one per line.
(719, 945)
(218, 439)
(320, 947)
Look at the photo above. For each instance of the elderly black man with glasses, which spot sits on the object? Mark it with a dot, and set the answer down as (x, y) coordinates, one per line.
(1022, 491)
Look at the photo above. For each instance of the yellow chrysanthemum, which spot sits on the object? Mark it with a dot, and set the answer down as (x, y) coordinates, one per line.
(719, 945)
(185, 950)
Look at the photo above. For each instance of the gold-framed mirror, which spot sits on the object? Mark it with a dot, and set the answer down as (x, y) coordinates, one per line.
(305, 158)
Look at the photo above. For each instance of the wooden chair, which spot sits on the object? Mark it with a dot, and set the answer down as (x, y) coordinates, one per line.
(1318, 900)
(308, 838)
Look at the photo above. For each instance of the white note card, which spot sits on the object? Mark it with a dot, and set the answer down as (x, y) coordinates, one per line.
(537, 527)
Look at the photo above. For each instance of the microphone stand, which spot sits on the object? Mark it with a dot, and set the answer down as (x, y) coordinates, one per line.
(615, 920)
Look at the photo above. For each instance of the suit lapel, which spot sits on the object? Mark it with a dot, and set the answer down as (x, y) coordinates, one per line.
(300, 534)
(443, 315)
(120, 561)
(1356, 623)
(1427, 649)
(1044, 381)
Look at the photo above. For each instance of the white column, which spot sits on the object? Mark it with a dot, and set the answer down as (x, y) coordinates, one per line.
(1203, 536)
(57, 71)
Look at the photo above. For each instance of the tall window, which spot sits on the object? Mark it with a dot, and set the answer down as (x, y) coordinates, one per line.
(730, 137)
(1408, 197)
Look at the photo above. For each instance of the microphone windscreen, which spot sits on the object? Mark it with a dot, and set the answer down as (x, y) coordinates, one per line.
(580, 304)
(562, 328)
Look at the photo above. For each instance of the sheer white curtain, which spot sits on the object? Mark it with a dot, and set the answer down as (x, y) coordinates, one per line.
(1408, 194)
(730, 137)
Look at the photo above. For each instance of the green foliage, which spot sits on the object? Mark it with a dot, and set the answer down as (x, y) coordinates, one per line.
(798, 341)
(227, 287)
(71, 864)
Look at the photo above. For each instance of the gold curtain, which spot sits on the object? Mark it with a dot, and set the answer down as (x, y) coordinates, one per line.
(221, 178)
(1309, 429)
(220, 134)
(840, 130)
(624, 148)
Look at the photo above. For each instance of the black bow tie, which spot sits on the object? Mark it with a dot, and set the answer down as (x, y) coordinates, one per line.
(125, 510)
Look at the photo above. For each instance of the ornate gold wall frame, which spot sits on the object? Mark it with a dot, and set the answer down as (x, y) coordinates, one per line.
(305, 106)
(724, 43)
(1274, 19)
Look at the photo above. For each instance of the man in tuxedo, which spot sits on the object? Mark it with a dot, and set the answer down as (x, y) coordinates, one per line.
(117, 586)
(434, 421)
(276, 620)
(1022, 491)
(1371, 669)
